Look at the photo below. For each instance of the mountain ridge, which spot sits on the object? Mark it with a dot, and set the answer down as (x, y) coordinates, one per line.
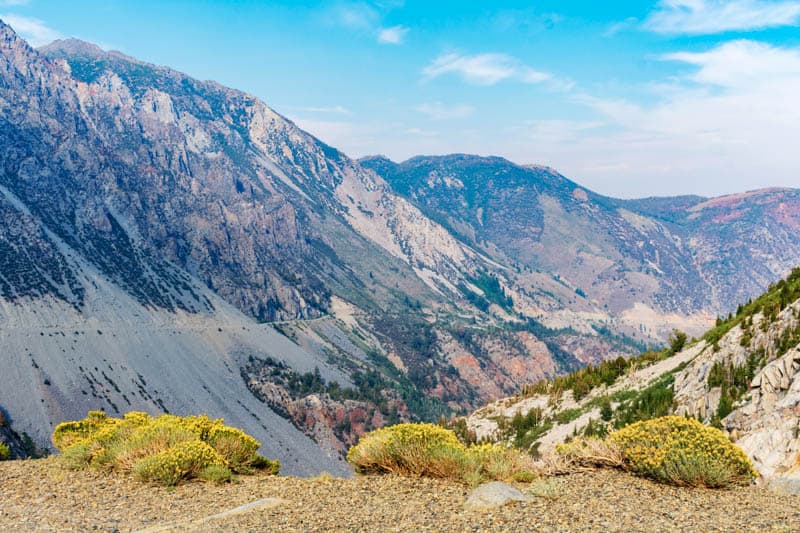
(293, 283)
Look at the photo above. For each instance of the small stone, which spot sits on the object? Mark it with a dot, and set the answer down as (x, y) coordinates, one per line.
(494, 494)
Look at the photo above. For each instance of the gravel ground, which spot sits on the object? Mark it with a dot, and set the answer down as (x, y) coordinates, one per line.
(40, 495)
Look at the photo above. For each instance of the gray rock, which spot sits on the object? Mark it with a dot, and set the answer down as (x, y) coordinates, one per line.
(494, 494)
(785, 484)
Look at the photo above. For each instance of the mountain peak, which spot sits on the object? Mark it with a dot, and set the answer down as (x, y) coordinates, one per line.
(73, 47)
(377, 157)
(76, 48)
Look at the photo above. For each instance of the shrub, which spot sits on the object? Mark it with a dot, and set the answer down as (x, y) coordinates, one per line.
(5, 452)
(166, 449)
(428, 450)
(270, 466)
(590, 452)
(216, 474)
(237, 447)
(182, 461)
(409, 449)
(682, 451)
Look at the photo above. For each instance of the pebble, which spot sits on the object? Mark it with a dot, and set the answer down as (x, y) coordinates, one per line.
(589, 501)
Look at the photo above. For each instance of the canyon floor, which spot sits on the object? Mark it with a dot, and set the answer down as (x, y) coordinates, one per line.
(41, 496)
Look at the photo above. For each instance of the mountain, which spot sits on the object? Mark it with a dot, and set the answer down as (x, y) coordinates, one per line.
(174, 245)
(171, 244)
(742, 376)
(648, 264)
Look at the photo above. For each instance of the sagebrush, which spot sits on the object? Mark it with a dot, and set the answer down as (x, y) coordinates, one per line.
(166, 449)
(670, 449)
(682, 451)
(429, 450)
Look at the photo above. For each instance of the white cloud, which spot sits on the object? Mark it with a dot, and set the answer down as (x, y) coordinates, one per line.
(730, 124)
(702, 17)
(393, 35)
(440, 111)
(742, 63)
(33, 30)
(484, 69)
(14, 2)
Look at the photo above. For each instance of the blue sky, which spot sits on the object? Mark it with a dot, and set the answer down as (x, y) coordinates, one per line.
(628, 98)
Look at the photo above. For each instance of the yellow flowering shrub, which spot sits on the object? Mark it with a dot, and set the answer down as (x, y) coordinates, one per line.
(431, 451)
(682, 451)
(5, 452)
(181, 461)
(165, 449)
(236, 446)
(83, 431)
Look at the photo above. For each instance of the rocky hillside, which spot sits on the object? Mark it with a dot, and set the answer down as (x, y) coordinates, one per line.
(644, 265)
(743, 376)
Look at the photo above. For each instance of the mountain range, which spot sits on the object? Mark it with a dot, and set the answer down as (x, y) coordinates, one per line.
(171, 244)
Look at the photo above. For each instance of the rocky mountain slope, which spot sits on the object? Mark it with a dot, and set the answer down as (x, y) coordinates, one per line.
(742, 376)
(647, 265)
(172, 244)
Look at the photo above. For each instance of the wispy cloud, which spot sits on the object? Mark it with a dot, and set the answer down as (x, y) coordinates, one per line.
(14, 2)
(419, 132)
(734, 113)
(393, 35)
(703, 17)
(356, 15)
(559, 130)
(440, 111)
(33, 30)
(337, 109)
(617, 27)
(367, 18)
(484, 69)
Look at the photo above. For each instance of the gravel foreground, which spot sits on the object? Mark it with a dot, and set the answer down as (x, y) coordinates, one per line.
(41, 496)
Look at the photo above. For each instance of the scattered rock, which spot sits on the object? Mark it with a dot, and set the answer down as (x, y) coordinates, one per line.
(494, 494)
(788, 483)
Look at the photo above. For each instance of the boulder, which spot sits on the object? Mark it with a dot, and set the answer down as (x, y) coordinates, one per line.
(494, 494)
(788, 483)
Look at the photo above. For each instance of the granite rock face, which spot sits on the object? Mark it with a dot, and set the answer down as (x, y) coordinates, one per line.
(765, 422)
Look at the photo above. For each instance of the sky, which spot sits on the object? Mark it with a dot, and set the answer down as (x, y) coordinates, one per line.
(629, 99)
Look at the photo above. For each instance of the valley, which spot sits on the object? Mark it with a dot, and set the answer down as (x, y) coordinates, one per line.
(174, 245)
